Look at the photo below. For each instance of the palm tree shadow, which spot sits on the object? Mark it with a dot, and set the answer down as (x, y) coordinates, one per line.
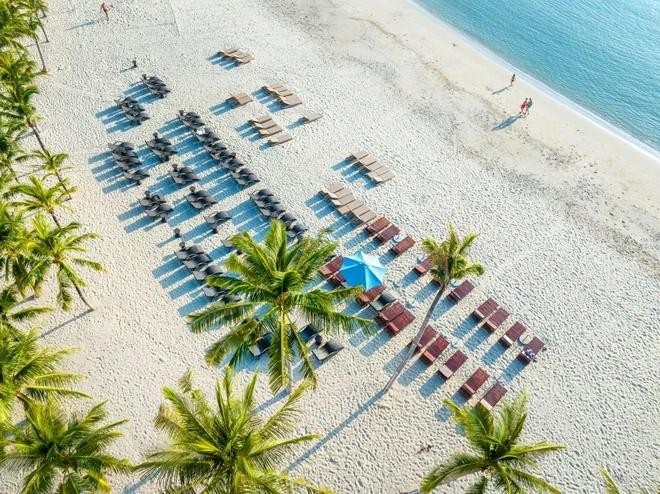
(335, 431)
(68, 321)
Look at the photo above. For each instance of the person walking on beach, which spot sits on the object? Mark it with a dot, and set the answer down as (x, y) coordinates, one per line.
(104, 9)
(523, 107)
(528, 106)
(513, 79)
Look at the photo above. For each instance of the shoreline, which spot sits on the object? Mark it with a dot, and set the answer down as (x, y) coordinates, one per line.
(559, 98)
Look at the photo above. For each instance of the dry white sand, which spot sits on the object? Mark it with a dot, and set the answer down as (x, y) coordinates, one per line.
(568, 216)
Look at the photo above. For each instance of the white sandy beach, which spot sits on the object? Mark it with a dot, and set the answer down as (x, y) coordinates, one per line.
(568, 215)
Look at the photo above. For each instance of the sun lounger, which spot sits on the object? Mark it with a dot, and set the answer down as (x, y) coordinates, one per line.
(327, 350)
(343, 200)
(186, 251)
(260, 119)
(531, 351)
(374, 168)
(290, 101)
(225, 52)
(275, 129)
(400, 322)
(330, 268)
(474, 382)
(347, 208)
(434, 350)
(381, 177)
(333, 189)
(428, 336)
(121, 145)
(307, 333)
(452, 364)
(485, 309)
(268, 124)
(387, 234)
(493, 396)
(213, 292)
(310, 117)
(378, 225)
(337, 280)
(240, 99)
(383, 300)
(389, 313)
(461, 291)
(512, 334)
(262, 345)
(366, 217)
(208, 270)
(357, 155)
(368, 296)
(495, 320)
(280, 138)
(270, 88)
(357, 212)
(403, 246)
(243, 59)
(423, 267)
(197, 262)
(367, 160)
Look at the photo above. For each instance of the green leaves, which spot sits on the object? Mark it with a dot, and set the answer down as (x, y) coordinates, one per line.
(273, 281)
(224, 445)
(494, 452)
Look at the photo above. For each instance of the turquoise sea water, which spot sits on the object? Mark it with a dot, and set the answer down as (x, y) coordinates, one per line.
(602, 54)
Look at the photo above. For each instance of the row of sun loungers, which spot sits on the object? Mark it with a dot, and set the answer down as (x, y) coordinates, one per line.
(374, 169)
(125, 157)
(200, 263)
(133, 110)
(161, 147)
(216, 220)
(155, 206)
(342, 198)
(155, 85)
(384, 231)
(200, 199)
(190, 119)
(267, 127)
(236, 55)
(271, 207)
(286, 97)
(183, 175)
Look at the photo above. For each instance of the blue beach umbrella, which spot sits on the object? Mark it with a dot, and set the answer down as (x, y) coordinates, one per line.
(362, 270)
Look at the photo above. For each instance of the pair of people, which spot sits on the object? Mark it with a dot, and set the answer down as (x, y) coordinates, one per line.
(525, 106)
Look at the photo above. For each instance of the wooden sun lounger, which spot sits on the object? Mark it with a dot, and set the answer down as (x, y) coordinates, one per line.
(272, 87)
(461, 291)
(428, 336)
(434, 350)
(243, 58)
(275, 129)
(333, 196)
(280, 138)
(347, 208)
(368, 296)
(310, 117)
(513, 333)
(226, 52)
(485, 309)
(240, 99)
(374, 168)
(381, 176)
(283, 92)
(535, 346)
(423, 267)
(333, 188)
(266, 124)
(493, 396)
(400, 322)
(357, 155)
(360, 211)
(378, 225)
(330, 268)
(260, 119)
(452, 364)
(474, 382)
(403, 246)
(290, 101)
(366, 161)
(390, 312)
(343, 199)
(364, 218)
(387, 234)
(495, 320)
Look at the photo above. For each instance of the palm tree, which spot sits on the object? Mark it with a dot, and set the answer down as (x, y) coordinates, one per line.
(611, 486)
(64, 454)
(16, 67)
(10, 151)
(52, 164)
(495, 452)
(59, 248)
(36, 196)
(15, 246)
(224, 445)
(29, 373)
(16, 103)
(272, 281)
(10, 313)
(32, 8)
(12, 27)
(449, 264)
(33, 23)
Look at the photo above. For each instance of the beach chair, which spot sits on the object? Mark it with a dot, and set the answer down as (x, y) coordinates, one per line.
(474, 382)
(357, 212)
(364, 218)
(452, 364)
(422, 267)
(227, 52)
(307, 333)
(271, 88)
(377, 226)
(495, 320)
(368, 296)
(213, 292)
(337, 280)
(428, 336)
(493, 396)
(403, 246)
(185, 251)
(381, 177)
(208, 270)
(290, 101)
(383, 300)
(243, 58)
(387, 234)
(330, 268)
(485, 309)
(262, 345)
(347, 208)
(280, 138)
(434, 350)
(268, 124)
(327, 349)
(512, 334)
(389, 313)
(197, 261)
(310, 117)
(275, 129)
(333, 188)
(343, 200)
(400, 322)
(259, 119)
(461, 291)
(531, 350)
(365, 161)
(240, 99)
(357, 155)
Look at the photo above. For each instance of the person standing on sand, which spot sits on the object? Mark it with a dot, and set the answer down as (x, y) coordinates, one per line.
(513, 79)
(523, 107)
(104, 9)
(528, 106)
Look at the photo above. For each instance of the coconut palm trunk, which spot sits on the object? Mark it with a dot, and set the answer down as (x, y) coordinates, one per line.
(413, 346)
(82, 296)
(41, 55)
(33, 126)
(41, 26)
